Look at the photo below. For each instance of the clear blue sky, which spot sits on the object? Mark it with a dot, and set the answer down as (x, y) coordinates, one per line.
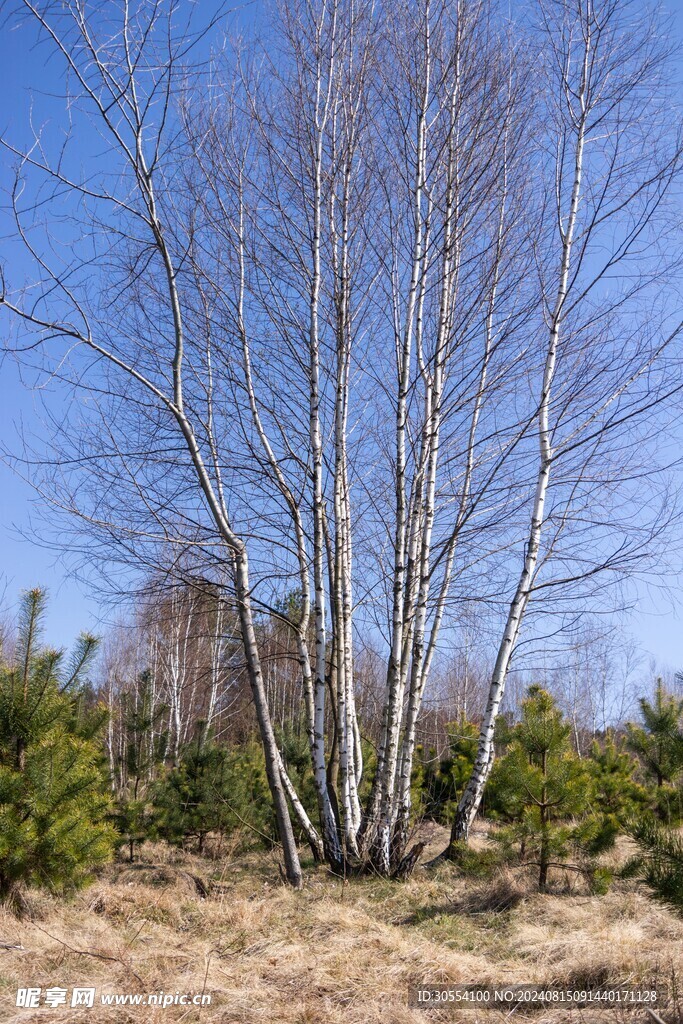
(32, 85)
(656, 623)
(23, 68)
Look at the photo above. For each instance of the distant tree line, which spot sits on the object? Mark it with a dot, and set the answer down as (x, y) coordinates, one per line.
(86, 768)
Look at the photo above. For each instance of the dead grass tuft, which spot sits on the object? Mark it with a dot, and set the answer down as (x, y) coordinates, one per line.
(158, 875)
(503, 892)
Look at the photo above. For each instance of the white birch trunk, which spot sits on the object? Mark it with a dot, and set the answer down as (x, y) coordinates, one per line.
(314, 840)
(471, 798)
(381, 804)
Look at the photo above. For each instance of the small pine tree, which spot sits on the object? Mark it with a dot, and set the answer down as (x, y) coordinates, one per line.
(658, 744)
(615, 790)
(213, 790)
(133, 815)
(545, 790)
(53, 802)
(660, 861)
(190, 801)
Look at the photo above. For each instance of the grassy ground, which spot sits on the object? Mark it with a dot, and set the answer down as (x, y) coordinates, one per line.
(333, 953)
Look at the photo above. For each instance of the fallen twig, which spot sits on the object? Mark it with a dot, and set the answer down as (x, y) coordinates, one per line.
(89, 952)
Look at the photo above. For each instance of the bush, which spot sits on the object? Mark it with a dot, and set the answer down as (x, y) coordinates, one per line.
(477, 863)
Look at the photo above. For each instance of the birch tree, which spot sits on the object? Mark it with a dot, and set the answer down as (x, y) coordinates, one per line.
(612, 164)
(323, 126)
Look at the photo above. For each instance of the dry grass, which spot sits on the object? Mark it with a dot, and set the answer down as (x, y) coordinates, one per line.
(333, 953)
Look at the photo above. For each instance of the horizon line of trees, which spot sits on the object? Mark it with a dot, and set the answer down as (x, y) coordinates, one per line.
(181, 649)
(67, 796)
